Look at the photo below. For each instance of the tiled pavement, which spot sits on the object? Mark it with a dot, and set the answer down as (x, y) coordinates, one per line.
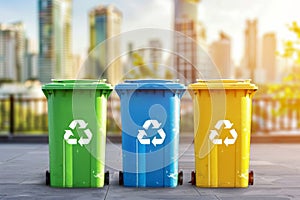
(276, 167)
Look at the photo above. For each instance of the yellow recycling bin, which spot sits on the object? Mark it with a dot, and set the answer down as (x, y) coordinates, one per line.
(222, 128)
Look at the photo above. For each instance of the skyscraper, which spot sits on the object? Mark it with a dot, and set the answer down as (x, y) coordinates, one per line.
(250, 57)
(221, 55)
(55, 57)
(269, 56)
(190, 33)
(186, 13)
(155, 57)
(12, 51)
(31, 60)
(76, 63)
(105, 22)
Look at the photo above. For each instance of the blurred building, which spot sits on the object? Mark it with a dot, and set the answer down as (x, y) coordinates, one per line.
(12, 51)
(55, 57)
(250, 53)
(127, 67)
(155, 46)
(77, 63)
(220, 52)
(283, 67)
(31, 71)
(104, 62)
(156, 58)
(269, 57)
(190, 34)
(31, 60)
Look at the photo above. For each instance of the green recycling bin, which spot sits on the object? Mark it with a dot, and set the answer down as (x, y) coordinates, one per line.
(77, 132)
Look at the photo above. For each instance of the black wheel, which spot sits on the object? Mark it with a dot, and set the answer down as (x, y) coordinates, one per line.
(251, 178)
(106, 178)
(180, 178)
(47, 177)
(193, 178)
(121, 180)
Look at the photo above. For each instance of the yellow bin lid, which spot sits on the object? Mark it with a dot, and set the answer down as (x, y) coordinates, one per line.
(228, 84)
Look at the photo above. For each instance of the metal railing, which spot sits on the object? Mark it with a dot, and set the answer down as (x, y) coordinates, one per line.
(271, 115)
(28, 116)
(23, 115)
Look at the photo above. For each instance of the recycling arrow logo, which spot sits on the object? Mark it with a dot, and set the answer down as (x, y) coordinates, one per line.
(214, 134)
(142, 135)
(81, 125)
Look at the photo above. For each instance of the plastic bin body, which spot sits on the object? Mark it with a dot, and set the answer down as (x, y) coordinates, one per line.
(149, 106)
(222, 128)
(77, 132)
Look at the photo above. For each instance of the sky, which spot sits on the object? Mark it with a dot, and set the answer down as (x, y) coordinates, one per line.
(229, 16)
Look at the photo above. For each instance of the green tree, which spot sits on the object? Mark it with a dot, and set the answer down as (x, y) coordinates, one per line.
(169, 74)
(141, 70)
(292, 52)
(288, 92)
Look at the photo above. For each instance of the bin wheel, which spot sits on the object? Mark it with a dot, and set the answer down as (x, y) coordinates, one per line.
(251, 178)
(193, 178)
(47, 177)
(121, 180)
(180, 178)
(106, 178)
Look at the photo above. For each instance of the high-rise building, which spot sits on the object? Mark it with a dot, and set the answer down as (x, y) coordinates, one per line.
(250, 56)
(155, 57)
(12, 51)
(31, 60)
(186, 13)
(55, 57)
(104, 52)
(269, 57)
(31, 66)
(189, 61)
(220, 52)
(77, 62)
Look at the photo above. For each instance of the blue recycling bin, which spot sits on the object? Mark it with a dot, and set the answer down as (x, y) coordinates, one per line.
(150, 113)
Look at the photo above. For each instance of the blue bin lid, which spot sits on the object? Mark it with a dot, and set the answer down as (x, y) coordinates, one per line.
(150, 84)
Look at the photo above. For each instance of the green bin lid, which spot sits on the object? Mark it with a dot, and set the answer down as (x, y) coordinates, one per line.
(70, 84)
(233, 84)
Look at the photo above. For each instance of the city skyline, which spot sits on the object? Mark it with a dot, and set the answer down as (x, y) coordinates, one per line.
(55, 30)
(220, 51)
(12, 49)
(186, 63)
(251, 46)
(233, 15)
(268, 58)
(105, 22)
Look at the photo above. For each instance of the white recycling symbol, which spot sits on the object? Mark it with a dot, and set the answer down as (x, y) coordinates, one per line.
(142, 135)
(82, 125)
(214, 135)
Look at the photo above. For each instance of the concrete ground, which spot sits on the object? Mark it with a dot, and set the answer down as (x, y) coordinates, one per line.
(276, 167)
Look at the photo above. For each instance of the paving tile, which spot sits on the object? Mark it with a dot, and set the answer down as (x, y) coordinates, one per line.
(276, 168)
(261, 197)
(17, 191)
(180, 192)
